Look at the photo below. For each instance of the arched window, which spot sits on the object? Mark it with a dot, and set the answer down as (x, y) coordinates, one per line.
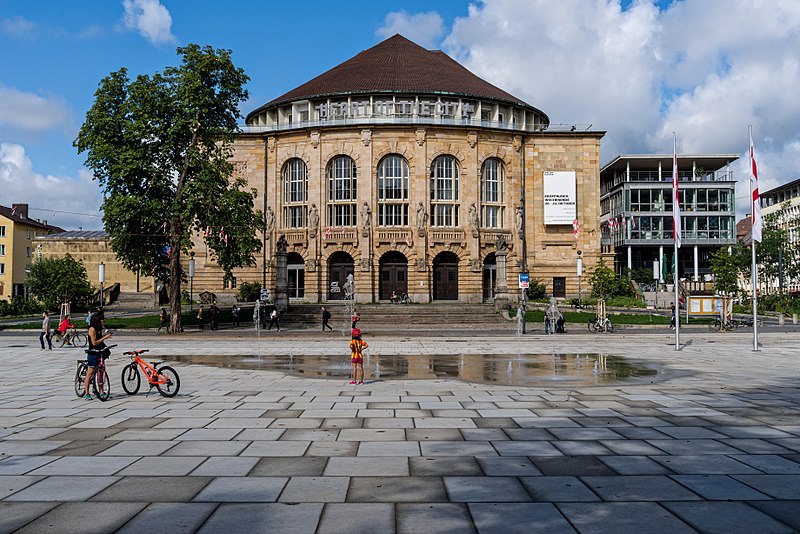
(295, 193)
(393, 191)
(444, 191)
(492, 192)
(342, 192)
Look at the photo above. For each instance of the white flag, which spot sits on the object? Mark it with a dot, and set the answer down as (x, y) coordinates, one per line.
(676, 204)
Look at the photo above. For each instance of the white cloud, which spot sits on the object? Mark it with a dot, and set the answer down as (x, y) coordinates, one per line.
(425, 29)
(60, 200)
(702, 68)
(150, 18)
(30, 112)
(17, 27)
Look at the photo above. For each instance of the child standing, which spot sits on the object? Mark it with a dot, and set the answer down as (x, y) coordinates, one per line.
(357, 345)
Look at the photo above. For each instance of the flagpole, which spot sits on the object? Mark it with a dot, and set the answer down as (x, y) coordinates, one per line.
(754, 233)
(676, 229)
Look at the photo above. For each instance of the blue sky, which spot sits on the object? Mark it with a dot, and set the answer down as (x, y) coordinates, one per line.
(636, 69)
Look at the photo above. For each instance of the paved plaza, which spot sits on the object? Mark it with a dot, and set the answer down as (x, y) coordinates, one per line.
(711, 443)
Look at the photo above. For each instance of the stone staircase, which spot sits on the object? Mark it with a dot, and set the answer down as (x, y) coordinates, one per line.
(133, 301)
(383, 317)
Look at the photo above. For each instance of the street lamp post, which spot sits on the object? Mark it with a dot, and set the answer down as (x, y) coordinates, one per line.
(657, 278)
(191, 280)
(580, 272)
(102, 276)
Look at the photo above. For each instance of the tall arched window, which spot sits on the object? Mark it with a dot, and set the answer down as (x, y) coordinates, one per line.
(492, 192)
(393, 191)
(444, 191)
(342, 192)
(295, 193)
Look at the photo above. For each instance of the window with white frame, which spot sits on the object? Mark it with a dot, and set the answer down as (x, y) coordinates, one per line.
(2, 249)
(2, 231)
(393, 191)
(492, 193)
(2, 268)
(444, 191)
(229, 282)
(295, 193)
(342, 192)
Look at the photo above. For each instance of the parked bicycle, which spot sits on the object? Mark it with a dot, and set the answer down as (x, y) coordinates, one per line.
(72, 337)
(101, 385)
(402, 298)
(731, 325)
(163, 378)
(600, 324)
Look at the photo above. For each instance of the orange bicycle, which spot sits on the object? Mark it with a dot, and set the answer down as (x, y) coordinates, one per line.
(164, 379)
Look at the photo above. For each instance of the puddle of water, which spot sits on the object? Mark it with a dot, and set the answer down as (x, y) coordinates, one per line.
(510, 369)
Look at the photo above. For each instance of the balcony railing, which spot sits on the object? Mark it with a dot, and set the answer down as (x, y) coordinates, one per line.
(415, 121)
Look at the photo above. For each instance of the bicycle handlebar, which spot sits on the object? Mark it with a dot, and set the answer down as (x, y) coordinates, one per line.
(135, 352)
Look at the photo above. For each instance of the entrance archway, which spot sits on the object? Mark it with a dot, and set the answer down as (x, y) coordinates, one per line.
(340, 264)
(393, 275)
(296, 271)
(489, 277)
(445, 276)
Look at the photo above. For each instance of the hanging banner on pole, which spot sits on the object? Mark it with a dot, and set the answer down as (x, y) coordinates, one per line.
(559, 197)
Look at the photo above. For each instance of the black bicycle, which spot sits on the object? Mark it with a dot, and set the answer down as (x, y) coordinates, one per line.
(101, 385)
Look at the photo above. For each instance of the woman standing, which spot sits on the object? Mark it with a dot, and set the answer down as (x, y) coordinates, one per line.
(96, 347)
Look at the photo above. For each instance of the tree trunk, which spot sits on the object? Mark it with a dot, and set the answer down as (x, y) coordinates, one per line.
(175, 274)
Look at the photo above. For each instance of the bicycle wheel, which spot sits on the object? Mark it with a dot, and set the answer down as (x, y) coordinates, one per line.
(105, 394)
(609, 326)
(732, 326)
(131, 379)
(715, 325)
(592, 325)
(80, 376)
(64, 338)
(173, 383)
(80, 340)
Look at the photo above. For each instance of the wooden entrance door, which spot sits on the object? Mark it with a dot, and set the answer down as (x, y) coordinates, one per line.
(394, 275)
(340, 265)
(559, 287)
(445, 276)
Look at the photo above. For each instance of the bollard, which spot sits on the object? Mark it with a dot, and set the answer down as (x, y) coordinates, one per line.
(780, 319)
(794, 318)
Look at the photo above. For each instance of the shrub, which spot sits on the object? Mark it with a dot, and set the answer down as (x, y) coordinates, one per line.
(536, 290)
(249, 291)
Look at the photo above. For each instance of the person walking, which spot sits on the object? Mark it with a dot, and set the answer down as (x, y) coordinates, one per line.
(213, 316)
(357, 346)
(45, 331)
(273, 319)
(235, 315)
(162, 320)
(200, 319)
(672, 318)
(548, 324)
(326, 316)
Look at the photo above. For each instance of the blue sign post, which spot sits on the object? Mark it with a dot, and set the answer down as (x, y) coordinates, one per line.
(524, 280)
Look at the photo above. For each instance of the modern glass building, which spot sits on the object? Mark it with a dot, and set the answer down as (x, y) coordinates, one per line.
(636, 210)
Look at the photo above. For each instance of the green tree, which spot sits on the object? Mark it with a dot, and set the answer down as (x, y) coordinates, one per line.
(160, 147)
(775, 253)
(56, 280)
(727, 269)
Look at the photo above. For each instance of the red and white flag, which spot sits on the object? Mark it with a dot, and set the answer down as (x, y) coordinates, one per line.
(755, 200)
(575, 228)
(676, 203)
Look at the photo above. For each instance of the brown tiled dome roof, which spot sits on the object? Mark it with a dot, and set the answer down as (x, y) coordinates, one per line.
(397, 65)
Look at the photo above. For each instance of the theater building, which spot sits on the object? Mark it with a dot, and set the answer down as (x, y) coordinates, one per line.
(402, 168)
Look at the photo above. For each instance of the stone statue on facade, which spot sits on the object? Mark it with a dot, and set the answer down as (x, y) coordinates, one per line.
(313, 220)
(269, 221)
(366, 219)
(501, 243)
(518, 218)
(422, 219)
(473, 219)
(282, 244)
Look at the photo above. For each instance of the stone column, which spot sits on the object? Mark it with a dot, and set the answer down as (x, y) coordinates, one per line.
(501, 296)
(282, 276)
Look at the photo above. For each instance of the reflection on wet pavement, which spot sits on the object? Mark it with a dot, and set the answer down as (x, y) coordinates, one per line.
(523, 369)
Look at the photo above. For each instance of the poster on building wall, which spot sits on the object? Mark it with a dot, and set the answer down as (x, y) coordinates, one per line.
(559, 197)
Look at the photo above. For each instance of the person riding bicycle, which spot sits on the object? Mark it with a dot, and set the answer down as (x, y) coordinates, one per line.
(97, 347)
(65, 325)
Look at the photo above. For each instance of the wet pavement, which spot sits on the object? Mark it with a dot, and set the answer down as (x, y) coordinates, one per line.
(711, 443)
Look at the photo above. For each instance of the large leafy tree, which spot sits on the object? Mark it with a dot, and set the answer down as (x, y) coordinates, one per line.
(56, 280)
(160, 147)
(730, 267)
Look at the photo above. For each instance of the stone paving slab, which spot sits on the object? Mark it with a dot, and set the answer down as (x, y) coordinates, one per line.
(711, 444)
